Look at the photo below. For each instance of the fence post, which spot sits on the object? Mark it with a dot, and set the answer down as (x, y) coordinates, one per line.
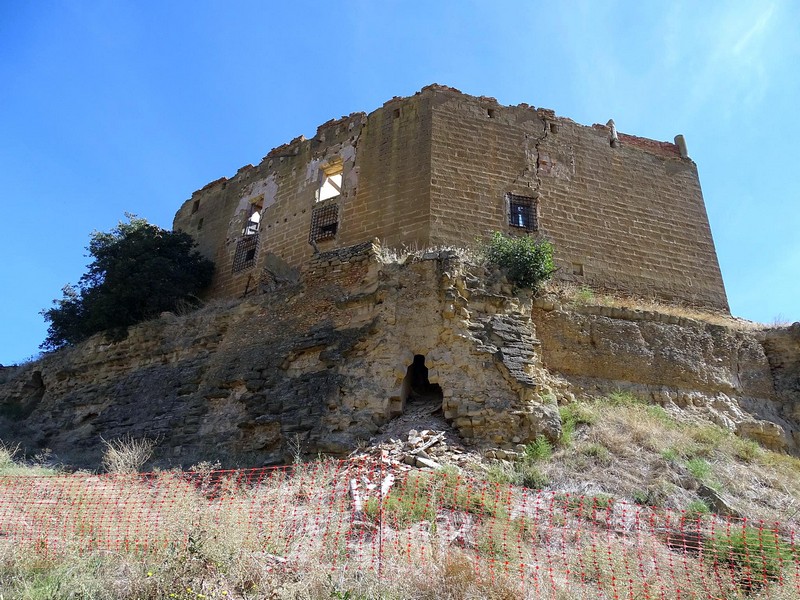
(380, 518)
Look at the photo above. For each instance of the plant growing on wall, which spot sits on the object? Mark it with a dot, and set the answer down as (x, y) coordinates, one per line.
(526, 262)
(138, 271)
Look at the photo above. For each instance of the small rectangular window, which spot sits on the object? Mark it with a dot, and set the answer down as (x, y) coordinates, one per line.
(324, 223)
(195, 206)
(254, 217)
(522, 212)
(331, 186)
(246, 250)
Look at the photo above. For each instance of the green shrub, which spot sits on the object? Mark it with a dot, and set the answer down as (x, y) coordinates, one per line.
(572, 415)
(519, 473)
(746, 450)
(623, 398)
(538, 449)
(599, 452)
(526, 262)
(699, 468)
(756, 553)
(584, 295)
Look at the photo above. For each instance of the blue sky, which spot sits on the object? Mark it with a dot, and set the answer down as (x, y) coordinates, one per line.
(108, 107)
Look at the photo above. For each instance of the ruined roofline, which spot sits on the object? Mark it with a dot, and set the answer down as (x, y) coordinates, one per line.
(659, 148)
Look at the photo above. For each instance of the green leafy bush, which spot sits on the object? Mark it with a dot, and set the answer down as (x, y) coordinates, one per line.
(526, 261)
(138, 271)
(538, 449)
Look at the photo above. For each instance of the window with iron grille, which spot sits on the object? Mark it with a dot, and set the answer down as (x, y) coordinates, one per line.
(246, 250)
(522, 212)
(324, 223)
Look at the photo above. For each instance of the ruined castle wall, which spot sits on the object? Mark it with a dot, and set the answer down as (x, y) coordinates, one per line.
(284, 187)
(630, 218)
(392, 201)
(437, 168)
(383, 161)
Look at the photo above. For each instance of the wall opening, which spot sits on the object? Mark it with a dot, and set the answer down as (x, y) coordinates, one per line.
(324, 223)
(245, 255)
(195, 206)
(254, 217)
(417, 388)
(522, 212)
(331, 182)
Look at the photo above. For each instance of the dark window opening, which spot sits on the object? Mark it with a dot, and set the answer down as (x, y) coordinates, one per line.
(195, 206)
(522, 212)
(396, 113)
(416, 386)
(324, 223)
(553, 127)
(490, 112)
(200, 224)
(246, 250)
(577, 268)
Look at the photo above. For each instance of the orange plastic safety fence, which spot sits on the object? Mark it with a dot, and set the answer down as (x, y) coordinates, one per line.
(374, 517)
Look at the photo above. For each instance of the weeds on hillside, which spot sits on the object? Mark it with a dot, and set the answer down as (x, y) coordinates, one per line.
(291, 533)
(126, 455)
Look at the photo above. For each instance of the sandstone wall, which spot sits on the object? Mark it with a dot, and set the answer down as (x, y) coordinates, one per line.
(730, 376)
(436, 168)
(629, 217)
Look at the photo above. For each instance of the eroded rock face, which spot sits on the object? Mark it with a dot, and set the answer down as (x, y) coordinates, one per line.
(325, 359)
(743, 380)
(322, 361)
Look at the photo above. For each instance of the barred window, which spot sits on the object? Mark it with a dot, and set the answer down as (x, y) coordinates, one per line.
(522, 212)
(324, 223)
(246, 250)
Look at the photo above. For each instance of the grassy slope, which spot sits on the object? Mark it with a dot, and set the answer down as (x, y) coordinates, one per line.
(613, 448)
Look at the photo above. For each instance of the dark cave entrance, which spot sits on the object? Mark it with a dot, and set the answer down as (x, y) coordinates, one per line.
(417, 389)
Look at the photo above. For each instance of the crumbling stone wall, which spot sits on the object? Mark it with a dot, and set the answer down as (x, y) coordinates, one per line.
(322, 358)
(436, 168)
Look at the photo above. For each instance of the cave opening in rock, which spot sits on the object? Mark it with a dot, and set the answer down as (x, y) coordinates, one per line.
(417, 388)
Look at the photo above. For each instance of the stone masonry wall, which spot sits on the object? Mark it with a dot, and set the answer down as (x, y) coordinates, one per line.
(629, 218)
(435, 169)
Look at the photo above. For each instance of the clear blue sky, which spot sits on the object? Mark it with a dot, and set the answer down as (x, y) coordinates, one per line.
(108, 107)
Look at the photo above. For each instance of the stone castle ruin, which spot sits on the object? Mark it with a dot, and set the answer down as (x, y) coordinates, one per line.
(442, 168)
(351, 335)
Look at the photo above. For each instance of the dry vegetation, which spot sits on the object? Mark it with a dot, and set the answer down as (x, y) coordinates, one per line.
(599, 530)
(577, 295)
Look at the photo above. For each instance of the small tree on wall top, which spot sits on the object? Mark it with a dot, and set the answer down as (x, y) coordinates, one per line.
(138, 271)
(526, 261)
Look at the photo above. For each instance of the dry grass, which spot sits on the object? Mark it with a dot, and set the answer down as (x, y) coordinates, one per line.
(293, 534)
(633, 450)
(569, 293)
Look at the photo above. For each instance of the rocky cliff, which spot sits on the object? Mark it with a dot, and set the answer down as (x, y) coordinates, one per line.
(326, 357)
